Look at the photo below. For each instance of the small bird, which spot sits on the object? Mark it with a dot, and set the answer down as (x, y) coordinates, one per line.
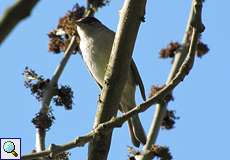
(96, 42)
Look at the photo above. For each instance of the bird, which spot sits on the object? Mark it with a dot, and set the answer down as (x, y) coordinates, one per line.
(96, 42)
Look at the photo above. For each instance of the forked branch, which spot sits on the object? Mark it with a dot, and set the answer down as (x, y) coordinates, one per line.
(117, 122)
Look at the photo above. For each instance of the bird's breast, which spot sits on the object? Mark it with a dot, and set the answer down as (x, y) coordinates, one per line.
(96, 56)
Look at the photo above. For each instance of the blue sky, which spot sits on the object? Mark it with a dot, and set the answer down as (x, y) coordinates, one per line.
(201, 100)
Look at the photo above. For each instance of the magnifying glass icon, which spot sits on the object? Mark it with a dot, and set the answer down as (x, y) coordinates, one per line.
(9, 147)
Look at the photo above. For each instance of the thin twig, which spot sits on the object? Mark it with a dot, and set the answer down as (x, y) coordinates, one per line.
(49, 92)
(194, 18)
(14, 14)
(53, 82)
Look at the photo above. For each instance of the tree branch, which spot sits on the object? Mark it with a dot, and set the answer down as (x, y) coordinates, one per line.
(104, 128)
(116, 74)
(49, 92)
(194, 18)
(20, 10)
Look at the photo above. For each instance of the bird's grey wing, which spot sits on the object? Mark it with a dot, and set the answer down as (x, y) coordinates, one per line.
(137, 79)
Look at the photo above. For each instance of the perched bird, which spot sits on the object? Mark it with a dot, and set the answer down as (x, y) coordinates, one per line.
(96, 42)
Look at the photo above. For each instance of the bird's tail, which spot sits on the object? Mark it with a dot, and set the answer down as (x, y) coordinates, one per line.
(136, 131)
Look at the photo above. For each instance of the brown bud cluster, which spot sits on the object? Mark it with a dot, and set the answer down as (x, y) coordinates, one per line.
(162, 152)
(155, 89)
(202, 48)
(169, 51)
(38, 85)
(64, 97)
(43, 120)
(35, 82)
(67, 23)
(169, 119)
(56, 43)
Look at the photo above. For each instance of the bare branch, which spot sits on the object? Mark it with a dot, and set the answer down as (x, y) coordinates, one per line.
(116, 73)
(49, 92)
(196, 23)
(55, 149)
(51, 86)
(20, 10)
(117, 122)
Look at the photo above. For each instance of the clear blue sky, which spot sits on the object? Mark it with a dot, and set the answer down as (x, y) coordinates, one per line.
(201, 100)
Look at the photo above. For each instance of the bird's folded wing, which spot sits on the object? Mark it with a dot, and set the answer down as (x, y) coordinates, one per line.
(136, 76)
(137, 79)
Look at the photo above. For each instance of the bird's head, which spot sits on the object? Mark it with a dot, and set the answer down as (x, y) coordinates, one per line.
(88, 25)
